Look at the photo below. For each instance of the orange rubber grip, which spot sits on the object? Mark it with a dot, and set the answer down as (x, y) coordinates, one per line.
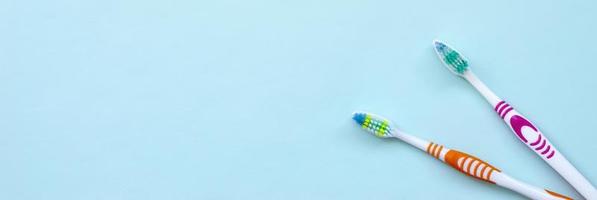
(467, 164)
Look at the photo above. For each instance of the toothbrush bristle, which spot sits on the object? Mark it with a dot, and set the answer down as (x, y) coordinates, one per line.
(451, 58)
(376, 125)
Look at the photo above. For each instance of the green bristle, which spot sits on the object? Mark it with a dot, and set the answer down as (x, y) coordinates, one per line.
(453, 60)
(379, 126)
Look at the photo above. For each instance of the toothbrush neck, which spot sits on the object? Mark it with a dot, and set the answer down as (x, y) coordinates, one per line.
(410, 139)
(482, 88)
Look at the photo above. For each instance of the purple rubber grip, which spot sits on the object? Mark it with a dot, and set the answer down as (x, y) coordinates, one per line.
(517, 122)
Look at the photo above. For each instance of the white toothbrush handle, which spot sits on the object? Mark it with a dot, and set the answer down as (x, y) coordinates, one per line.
(529, 191)
(530, 135)
(477, 168)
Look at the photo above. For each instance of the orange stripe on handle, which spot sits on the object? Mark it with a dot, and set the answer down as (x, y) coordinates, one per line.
(477, 167)
(470, 164)
(558, 195)
(483, 170)
(429, 147)
(438, 152)
(434, 149)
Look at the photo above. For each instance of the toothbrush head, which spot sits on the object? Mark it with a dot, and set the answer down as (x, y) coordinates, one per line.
(374, 124)
(455, 62)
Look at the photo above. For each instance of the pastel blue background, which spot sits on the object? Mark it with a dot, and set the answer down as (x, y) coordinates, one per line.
(237, 99)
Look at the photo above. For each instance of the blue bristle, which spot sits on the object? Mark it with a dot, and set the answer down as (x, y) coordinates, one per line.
(359, 117)
(439, 46)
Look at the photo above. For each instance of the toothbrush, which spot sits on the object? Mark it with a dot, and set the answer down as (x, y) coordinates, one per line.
(522, 128)
(460, 161)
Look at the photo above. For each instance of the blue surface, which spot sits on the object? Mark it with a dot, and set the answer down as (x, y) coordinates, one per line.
(236, 99)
